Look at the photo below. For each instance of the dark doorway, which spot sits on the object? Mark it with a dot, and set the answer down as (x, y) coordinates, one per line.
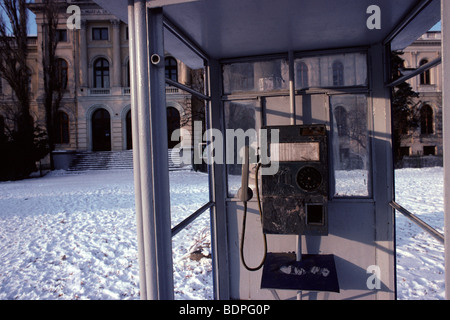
(128, 130)
(101, 131)
(173, 123)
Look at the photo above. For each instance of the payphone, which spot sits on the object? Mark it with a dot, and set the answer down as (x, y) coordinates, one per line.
(294, 201)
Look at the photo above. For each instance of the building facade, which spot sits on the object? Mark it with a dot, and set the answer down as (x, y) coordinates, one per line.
(93, 62)
(425, 141)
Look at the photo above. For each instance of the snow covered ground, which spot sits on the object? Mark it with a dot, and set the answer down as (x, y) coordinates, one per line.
(73, 236)
(420, 258)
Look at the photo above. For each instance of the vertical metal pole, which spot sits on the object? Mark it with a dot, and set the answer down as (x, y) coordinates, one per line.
(292, 87)
(445, 21)
(293, 122)
(219, 239)
(159, 153)
(135, 135)
(144, 147)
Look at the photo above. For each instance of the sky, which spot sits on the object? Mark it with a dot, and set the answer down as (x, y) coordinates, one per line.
(32, 29)
(437, 27)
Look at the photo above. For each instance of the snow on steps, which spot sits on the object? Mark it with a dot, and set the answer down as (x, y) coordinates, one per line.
(112, 160)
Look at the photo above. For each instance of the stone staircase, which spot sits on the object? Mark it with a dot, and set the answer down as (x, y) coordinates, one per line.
(111, 160)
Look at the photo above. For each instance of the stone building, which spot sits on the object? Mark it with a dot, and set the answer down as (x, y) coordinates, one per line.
(93, 61)
(423, 145)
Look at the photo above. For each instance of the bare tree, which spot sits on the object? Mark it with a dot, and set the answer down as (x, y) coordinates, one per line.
(20, 148)
(53, 82)
(13, 57)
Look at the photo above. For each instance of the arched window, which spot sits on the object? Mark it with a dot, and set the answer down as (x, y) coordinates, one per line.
(425, 77)
(173, 123)
(2, 127)
(62, 73)
(426, 120)
(30, 80)
(338, 73)
(62, 128)
(101, 73)
(341, 121)
(171, 69)
(302, 75)
(128, 73)
(129, 132)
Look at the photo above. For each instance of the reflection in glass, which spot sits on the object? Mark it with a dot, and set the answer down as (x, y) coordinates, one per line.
(258, 76)
(350, 145)
(239, 115)
(336, 70)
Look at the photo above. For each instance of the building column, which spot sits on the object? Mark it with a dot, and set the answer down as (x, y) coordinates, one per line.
(445, 20)
(83, 56)
(117, 63)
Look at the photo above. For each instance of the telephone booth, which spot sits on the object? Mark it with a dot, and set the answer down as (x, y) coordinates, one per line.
(298, 126)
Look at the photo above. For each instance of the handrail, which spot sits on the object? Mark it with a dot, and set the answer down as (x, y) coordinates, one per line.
(191, 218)
(431, 231)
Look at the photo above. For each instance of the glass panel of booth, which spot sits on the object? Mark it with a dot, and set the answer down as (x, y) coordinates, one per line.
(350, 145)
(256, 76)
(182, 64)
(256, 93)
(240, 124)
(331, 70)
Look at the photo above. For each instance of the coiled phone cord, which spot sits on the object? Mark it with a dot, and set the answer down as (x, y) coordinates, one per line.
(244, 227)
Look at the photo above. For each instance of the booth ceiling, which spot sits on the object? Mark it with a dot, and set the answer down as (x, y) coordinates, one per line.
(237, 28)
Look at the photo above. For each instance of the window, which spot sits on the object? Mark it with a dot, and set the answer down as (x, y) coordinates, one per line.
(256, 76)
(341, 121)
(62, 127)
(405, 151)
(331, 70)
(2, 127)
(425, 77)
(429, 150)
(101, 73)
(351, 153)
(128, 73)
(61, 35)
(62, 73)
(171, 69)
(100, 33)
(426, 120)
(173, 124)
(243, 115)
(338, 73)
(302, 75)
(30, 80)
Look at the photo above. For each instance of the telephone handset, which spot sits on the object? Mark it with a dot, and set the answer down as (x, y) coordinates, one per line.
(245, 194)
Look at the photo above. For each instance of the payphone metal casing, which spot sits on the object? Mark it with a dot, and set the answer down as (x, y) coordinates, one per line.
(294, 200)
